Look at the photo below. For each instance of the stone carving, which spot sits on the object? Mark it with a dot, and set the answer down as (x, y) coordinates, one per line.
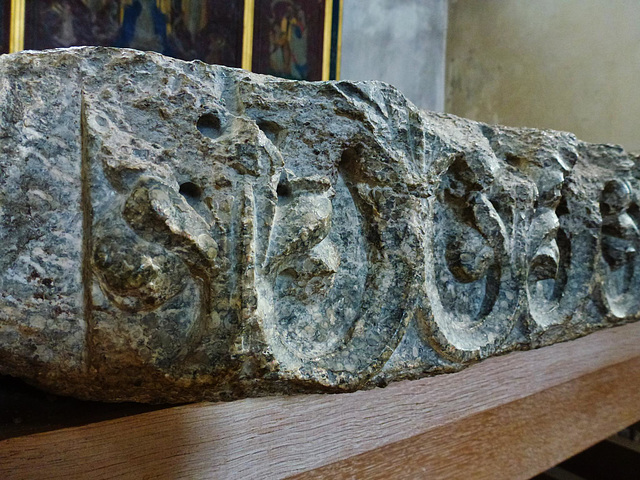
(469, 262)
(619, 245)
(175, 231)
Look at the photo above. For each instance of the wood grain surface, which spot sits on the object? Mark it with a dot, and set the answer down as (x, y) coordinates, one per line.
(505, 418)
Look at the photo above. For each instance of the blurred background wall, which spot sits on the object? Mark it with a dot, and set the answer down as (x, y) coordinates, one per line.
(398, 41)
(562, 64)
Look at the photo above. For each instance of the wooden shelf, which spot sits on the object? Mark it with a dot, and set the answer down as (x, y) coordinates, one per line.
(510, 417)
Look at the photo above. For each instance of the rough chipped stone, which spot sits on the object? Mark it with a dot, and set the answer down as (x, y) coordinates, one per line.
(175, 231)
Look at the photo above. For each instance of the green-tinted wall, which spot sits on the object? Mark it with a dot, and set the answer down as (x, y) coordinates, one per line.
(563, 64)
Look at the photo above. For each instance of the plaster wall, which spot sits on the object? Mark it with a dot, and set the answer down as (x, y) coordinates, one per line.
(563, 64)
(401, 42)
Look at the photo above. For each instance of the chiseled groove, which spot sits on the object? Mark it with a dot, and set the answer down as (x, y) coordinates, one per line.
(87, 239)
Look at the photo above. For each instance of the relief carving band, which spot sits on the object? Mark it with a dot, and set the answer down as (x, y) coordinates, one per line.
(174, 231)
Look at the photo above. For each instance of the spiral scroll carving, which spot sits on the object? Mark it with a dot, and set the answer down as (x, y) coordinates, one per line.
(177, 231)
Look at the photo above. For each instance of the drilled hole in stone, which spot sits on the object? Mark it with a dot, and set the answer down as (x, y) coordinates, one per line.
(563, 207)
(209, 125)
(283, 190)
(190, 191)
(516, 161)
(349, 164)
(270, 129)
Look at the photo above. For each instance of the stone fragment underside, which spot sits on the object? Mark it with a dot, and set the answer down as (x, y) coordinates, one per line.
(175, 231)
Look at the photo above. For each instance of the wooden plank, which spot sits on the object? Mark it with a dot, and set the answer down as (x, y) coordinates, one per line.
(516, 440)
(507, 417)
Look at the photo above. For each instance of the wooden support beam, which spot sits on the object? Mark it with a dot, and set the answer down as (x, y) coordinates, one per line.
(509, 417)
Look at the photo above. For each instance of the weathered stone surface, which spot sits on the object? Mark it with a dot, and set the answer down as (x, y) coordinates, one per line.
(175, 231)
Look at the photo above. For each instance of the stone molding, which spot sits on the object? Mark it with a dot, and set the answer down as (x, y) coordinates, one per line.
(174, 231)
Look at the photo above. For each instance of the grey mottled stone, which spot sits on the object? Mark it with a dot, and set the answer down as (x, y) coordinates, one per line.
(175, 231)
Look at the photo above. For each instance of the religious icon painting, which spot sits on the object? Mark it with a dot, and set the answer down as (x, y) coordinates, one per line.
(67, 23)
(208, 30)
(296, 39)
(5, 22)
(211, 31)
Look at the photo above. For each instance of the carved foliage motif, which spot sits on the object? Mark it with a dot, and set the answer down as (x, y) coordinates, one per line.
(292, 255)
(179, 231)
(561, 246)
(472, 289)
(332, 320)
(320, 277)
(620, 243)
(298, 271)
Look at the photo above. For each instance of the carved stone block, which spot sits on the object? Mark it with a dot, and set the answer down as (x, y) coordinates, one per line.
(175, 231)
